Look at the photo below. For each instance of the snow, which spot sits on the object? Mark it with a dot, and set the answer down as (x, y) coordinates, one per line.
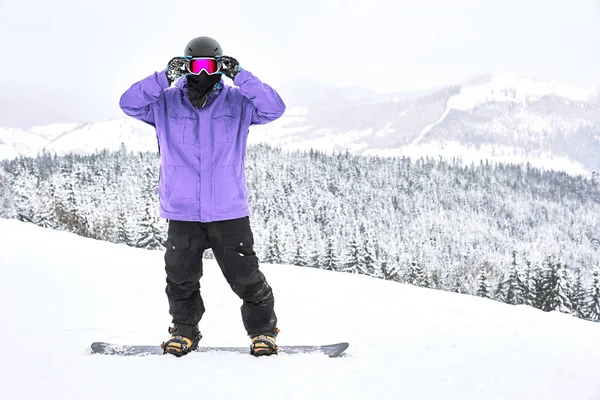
(431, 126)
(494, 154)
(16, 142)
(52, 131)
(90, 138)
(62, 292)
(77, 138)
(506, 87)
(509, 88)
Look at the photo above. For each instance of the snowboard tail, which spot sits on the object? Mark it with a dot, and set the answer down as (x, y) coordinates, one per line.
(331, 350)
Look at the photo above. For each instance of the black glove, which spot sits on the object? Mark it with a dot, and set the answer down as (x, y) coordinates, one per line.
(229, 66)
(176, 68)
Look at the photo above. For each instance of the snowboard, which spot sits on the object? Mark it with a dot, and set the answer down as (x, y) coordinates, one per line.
(331, 350)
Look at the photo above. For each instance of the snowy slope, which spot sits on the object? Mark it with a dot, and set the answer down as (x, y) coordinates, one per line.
(90, 138)
(52, 131)
(78, 138)
(512, 88)
(62, 292)
(19, 142)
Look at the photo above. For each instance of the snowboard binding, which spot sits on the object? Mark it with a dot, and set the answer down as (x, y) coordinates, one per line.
(180, 345)
(264, 345)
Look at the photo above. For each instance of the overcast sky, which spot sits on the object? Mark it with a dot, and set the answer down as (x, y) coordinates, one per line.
(72, 59)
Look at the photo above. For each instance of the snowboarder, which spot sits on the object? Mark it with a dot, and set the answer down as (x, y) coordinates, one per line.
(202, 127)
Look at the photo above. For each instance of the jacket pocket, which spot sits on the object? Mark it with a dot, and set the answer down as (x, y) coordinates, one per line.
(184, 126)
(225, 125)
(229, 188)
(180, 190)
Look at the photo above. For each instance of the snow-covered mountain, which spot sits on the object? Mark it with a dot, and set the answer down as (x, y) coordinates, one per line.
(500, 118)
(63, 291)
(79, 138)
(16, 142)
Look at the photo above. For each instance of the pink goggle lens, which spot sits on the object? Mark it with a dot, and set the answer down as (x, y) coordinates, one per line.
(210, 65)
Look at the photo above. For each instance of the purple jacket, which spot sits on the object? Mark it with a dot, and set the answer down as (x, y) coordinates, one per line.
(202, 151)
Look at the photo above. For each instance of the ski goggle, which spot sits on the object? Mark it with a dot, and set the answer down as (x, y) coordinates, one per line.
(196, 65)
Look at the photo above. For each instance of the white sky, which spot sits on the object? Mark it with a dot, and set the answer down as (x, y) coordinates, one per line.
(93, 50)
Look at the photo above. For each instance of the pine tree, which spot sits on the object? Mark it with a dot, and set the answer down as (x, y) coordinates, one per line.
(514, 288)
(151, 234)
(313, 255)
(299, 258)
(578, 297)
(454, 279)
(6, 195)
(592, 309)
(390, 270)
(371, 265)
(526, 279)
(69, 213)
(124, 234)
(556, 288)
(45, 215)
(24, 196)
(354, 263)
(426, 280)
(273, 253)
(535, 286)
(416, 275)
(483, 287)
(332, 262)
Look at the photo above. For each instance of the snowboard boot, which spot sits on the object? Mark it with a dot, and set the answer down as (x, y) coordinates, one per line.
(264, 345)
(184, 339)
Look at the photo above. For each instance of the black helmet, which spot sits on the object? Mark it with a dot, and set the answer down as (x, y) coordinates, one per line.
(203, 46)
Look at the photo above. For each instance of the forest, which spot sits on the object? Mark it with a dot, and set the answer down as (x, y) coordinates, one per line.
(512, 233)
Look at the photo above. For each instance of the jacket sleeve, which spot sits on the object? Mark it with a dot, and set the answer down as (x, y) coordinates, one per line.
(142, 98)
(267, 105)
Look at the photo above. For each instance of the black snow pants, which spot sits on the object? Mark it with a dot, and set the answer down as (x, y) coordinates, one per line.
(232, 244)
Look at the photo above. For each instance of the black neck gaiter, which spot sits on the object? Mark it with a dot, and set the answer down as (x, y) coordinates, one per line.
(200, 86)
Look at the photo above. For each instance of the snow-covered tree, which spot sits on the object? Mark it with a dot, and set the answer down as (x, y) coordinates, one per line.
(416, 275)
(355, 262)
(371, 264)
(331, 260)
(125, 233)
(390, 270)
(6, 195)
(535, 285)
(23, 187)
(557, 288)
(151, 234)
(483, 286)
(273, 253)
(299, 256)
(578, 296)
(592, 309)
(314, 254)
(514, 289)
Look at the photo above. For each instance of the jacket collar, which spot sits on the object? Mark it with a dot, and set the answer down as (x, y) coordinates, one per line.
(181, 84)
